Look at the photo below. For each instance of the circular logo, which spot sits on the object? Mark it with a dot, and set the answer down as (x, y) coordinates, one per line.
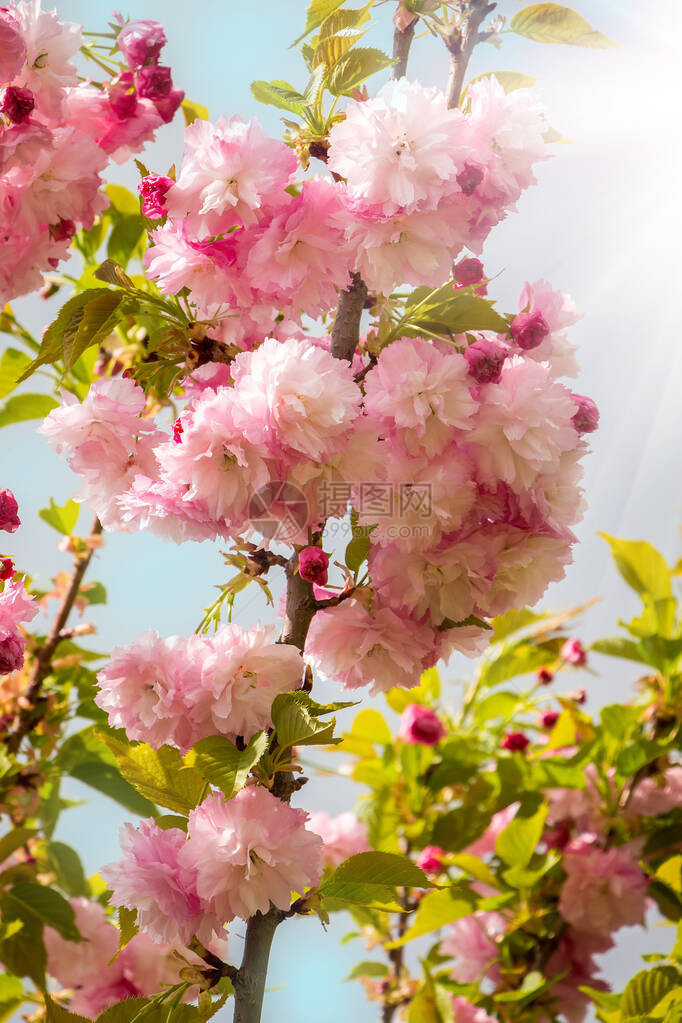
(278, 511)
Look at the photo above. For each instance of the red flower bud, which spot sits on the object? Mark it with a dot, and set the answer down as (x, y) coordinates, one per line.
(485, 359)
(544, 676)
(548, 719)
(420, 725)
(6, 569)
(470, 177)
(586, 419)
(17, 103)
(529, 330)
(516, 742)
(9, 519)
(430, 859)
(313, 565)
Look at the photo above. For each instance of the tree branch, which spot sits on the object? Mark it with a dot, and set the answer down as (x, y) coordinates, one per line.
(402, 40)
(461, 42)
(249, 982)
(346, 329)
(43, 658)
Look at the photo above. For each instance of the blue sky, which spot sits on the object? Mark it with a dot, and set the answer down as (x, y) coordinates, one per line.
(601, 224)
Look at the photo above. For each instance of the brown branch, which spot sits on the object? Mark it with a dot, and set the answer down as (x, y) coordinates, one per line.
(402, 40)
(43, 658)
(346, 329)
(461, 42)
(249, 981)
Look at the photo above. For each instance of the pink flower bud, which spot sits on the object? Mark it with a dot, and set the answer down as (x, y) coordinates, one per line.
(153, 191)
(544, 676)
(9, 518)
(557, 837)
(485, 359)
(154, 82)
(516, 742)
(529, 330)
(420, 725)
(6, 569)
(586, 419)
(573, 652)
(17, 103)
(468, 271)
(470, 178)
(548, 719)
(431, 859)
(313, 565)
(11, 654)
(577, 695)
(178, 431)
(167, 107)
(12, 46)
(63, 231)
(141, 42)
(122, 96)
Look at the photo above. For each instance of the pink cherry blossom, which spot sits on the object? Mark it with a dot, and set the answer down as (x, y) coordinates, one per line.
(586, 419)
(12, 47)
(485, 359)
(471, 943)
(17, 104)
(343, 836)
(99, 945)
(153, 190)
(152, 878)
(50, 43)
(420, 725)
(357, 647)
(241, 674)
(295, 395)
(465, 1012)
(117, 135)
(401, 149)
(16, 606)
(150, 689)
(141, 42)
(416, 387)
(105, 442)
(573, 652)
(604, 890)
(249, 852)
(558, 312)
(230, 173)
(430, 859)
(301, 257)
(658, 794)
(313, 565)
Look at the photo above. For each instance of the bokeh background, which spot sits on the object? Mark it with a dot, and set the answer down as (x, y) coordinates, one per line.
(603, 224)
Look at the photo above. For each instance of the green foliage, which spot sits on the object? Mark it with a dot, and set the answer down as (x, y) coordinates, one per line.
(370, 879)
(12, 365)
(295, 717)
(444, 312)
(162, 776)
(23, 407)
(552, 23)
(225, 766)
(26, 900)
(193, 112)
(62, 519)
(516, 844)
(438, 909)
(87, 758)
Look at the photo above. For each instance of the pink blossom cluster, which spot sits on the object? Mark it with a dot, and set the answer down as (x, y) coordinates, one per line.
(56, 137)
(100, 977)
(179, 690)
(421, 182)
(238, 857)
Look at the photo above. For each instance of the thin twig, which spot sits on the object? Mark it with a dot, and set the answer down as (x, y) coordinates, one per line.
(43, 658)
(461, 42)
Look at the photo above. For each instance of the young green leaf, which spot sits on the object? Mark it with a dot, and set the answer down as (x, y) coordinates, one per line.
(63, 518)
(12, 365)
(162, 775)
(436, 910)
(24, 407)
(194, 112)
(516, 844)
(224, 765)
(279, 94)
(46, 905)
(553, 23)
(355, 68)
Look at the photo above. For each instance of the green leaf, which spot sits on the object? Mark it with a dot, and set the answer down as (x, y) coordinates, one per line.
(12, 365)
(194, 112)
(436, 910)
(497, 705)
(45, 904)
(85, 757)
(513, 621)
(23, 407)
(647, 989)
(224, 765)
(370, 877)
(357, 552)
(279, 94)
(619, 720)
(61, 341)
(642, 567)
(355, 68)
(66, 864)
(162, 775)
(122, 199)
(11, 995)
(313, 90)
(368, 968)
(331, 49)
(55, 1013)
(23, 953)
(516, 843)
(318, 12)
(446, 311)
(295, 725)
(342, 20)
(552, 23)
(125, 238)
(95, 321)
(509, 80)
(63, 518)
(14, 840)
(617, 646)
(127, 925)
(531, 985)
(112, 273)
